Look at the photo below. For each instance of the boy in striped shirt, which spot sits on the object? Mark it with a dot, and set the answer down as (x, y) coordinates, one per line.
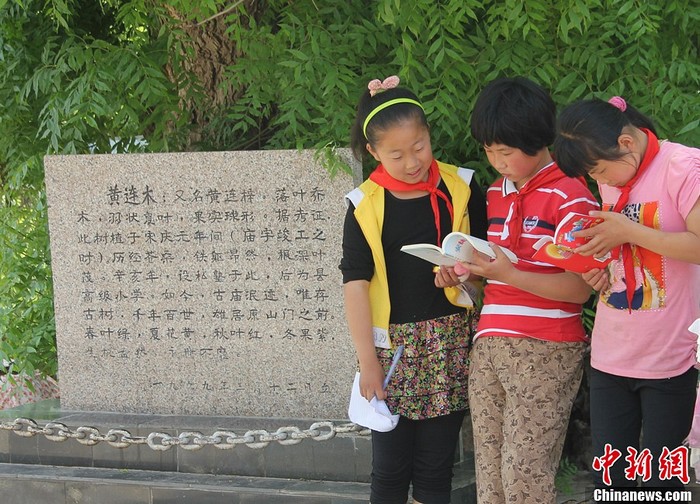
(527, 360)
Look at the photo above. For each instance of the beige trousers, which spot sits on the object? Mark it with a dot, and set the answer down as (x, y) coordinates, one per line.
(520, 392)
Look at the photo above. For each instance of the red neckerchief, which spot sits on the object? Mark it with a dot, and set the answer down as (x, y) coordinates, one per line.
(627, 257)
(382, 177)
(545, 177)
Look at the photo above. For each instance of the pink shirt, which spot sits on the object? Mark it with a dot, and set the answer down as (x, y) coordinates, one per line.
(653, 341)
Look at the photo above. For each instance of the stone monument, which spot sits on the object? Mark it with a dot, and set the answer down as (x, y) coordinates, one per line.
(198, 302)
(200, 283)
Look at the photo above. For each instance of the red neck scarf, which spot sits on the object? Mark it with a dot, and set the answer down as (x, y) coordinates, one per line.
(382, 177)
(544, 178)
(627, 257)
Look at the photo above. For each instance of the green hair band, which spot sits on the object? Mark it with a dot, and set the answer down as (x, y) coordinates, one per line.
(384, 105)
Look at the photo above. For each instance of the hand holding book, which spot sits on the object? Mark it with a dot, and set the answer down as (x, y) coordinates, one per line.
(562, 249)
(612, 231)
(559, 250)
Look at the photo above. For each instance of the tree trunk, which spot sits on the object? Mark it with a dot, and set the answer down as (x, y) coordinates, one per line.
(212, 52)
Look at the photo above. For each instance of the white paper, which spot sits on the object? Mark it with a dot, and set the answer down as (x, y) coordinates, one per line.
(372, 414)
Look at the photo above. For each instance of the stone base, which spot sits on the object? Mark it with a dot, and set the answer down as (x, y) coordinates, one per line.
(42, 484)
(334, 471)
(39, 484)
(337, 459)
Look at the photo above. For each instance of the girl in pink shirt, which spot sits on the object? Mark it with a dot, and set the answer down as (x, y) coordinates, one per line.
(643, 380)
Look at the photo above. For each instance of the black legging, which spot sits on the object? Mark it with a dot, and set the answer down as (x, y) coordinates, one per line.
(421, 452)
(640, 413)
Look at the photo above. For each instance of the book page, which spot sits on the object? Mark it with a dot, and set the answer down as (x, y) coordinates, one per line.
(457, 245)
(462, 246)
(430, 253)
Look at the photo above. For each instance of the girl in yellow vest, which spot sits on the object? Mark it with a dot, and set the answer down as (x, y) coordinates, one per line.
(392, 298)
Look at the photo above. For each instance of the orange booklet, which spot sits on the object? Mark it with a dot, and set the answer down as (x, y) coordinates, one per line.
(559, 250)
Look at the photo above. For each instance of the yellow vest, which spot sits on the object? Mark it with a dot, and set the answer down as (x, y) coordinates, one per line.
(368, 200)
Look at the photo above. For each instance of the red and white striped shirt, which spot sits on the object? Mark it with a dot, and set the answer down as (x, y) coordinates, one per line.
(512, 312)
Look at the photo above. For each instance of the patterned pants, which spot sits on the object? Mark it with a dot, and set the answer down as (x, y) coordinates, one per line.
(521, 391)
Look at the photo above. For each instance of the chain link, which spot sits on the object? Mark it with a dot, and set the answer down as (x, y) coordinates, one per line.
(187, 440)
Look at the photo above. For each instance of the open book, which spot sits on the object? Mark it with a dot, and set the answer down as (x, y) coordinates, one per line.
(456, 247)
(559, 250)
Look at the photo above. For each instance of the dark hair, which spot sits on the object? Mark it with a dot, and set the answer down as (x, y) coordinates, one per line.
(588, 131)
(384, 119)
(515, 112)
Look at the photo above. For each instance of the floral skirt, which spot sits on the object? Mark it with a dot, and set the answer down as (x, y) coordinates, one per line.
(430, 379)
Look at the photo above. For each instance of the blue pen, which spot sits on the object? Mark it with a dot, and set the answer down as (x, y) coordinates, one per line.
(394, 362)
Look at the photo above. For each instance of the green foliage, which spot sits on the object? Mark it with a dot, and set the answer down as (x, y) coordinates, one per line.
(563, 481)
(26, 310)
(84, 76)
(63, 91)
(306, 63)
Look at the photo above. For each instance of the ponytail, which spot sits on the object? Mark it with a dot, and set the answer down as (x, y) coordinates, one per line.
(588, 131)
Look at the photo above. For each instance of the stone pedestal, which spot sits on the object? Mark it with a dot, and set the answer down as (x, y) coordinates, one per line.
(39, 470)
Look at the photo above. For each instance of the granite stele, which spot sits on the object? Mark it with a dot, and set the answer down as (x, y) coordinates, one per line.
(200, 283)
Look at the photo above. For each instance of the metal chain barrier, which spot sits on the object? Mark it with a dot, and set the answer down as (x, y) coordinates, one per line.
(187, 440)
